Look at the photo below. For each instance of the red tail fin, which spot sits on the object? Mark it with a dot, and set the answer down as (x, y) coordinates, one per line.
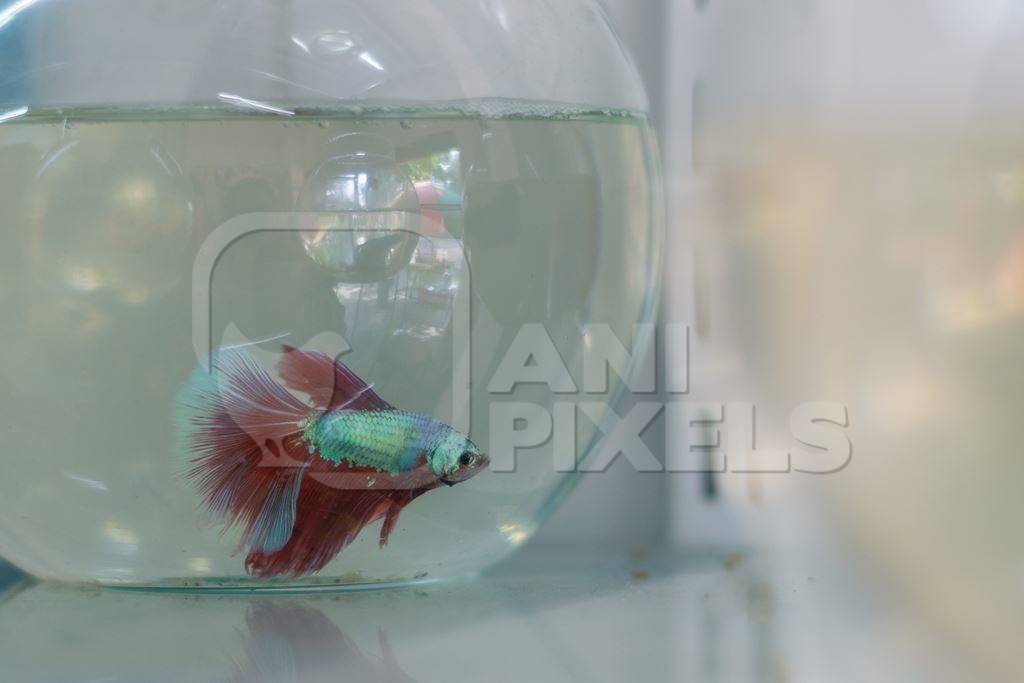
(243, 431)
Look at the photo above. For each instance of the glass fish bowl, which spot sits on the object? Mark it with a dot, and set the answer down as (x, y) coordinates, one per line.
(292, 292)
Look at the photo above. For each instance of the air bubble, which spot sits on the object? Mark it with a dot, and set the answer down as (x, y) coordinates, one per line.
(359, 215)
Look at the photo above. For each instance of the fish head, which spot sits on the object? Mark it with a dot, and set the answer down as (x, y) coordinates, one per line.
(455, 459)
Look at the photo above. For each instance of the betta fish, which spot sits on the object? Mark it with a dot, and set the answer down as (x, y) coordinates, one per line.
(302, 478)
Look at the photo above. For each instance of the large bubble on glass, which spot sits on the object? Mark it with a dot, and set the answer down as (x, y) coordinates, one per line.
(109, 217)
(359, 214)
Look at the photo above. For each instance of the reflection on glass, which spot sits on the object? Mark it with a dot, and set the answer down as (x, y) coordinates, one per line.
(291, 641)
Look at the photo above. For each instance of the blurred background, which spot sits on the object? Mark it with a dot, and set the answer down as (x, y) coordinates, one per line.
(845, 192)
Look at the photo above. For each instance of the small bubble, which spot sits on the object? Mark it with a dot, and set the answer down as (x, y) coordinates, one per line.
(335, 43)
(325, 124)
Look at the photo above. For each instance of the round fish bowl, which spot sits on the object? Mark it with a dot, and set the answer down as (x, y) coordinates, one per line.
(292, 294)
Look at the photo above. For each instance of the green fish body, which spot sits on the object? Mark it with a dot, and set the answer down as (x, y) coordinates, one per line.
(389, 441)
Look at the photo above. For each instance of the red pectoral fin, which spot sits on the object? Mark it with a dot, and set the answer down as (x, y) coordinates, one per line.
(328, 383)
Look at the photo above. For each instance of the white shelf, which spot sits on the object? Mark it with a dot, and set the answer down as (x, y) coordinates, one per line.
(585, 613)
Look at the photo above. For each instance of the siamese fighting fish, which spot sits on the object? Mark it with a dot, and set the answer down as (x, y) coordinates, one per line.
(302, 478)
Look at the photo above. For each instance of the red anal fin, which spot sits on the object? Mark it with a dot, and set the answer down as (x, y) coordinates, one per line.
(327, 520)
(328, 383)
(398, 504)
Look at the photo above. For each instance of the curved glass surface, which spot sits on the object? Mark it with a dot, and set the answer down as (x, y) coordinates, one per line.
(416, 191)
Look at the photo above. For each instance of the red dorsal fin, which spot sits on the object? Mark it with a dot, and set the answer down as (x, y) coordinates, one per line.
(328, 383)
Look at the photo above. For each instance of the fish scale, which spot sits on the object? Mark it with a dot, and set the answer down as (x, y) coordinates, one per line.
(388, 441)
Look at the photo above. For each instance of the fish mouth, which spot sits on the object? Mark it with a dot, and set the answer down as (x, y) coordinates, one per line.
(449, 482)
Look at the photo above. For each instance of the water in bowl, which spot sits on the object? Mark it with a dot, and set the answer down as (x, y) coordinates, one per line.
(421, 239)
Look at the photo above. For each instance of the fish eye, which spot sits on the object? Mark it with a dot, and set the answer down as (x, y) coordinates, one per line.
(466, 459)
